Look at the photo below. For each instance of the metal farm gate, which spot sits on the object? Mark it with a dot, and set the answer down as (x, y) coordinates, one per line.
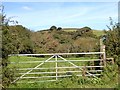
(31, 68)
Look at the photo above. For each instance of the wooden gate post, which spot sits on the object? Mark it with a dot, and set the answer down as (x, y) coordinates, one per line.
(84, 71)
(56, 67)
(104, 56)
(102, 49)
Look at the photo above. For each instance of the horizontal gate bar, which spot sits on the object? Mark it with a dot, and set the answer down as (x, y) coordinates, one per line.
(57, 76)
(58, 67)
(38, 81)
(53, 80)
(59, 61)
(56, 54)
(47, 76)
(61, 72)
(50, 72)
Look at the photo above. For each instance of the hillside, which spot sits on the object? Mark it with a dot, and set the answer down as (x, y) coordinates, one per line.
(96, 32)
(65, 40)
(53, 40)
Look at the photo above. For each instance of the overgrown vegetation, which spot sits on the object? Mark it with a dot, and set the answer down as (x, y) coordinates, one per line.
(112, 42)
(107, 80)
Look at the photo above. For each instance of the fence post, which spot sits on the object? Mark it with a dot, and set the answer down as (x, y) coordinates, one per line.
(84, 71)
(104, 56)
(112, 61)
(102, 49)
(56, 66)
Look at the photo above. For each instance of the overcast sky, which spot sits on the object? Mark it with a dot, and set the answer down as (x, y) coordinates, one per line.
(42, 15)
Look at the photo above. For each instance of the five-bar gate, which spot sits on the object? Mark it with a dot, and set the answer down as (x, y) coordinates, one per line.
(32, 68)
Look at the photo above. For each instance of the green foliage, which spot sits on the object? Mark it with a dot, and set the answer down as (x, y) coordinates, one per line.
(6, 45)
(110, 73)
(112, 42)
(70, 82)
(15, 39)
(84, 32)
(8, 76)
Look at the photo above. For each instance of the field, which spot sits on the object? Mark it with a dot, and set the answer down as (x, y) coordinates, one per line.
(19, 64)
(98, 32)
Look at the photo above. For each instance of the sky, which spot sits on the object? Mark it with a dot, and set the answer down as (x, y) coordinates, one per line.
(43, 15)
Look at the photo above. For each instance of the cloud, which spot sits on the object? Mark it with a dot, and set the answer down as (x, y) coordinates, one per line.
(26, 8)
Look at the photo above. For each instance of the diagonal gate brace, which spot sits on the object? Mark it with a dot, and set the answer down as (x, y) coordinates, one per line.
(32, 69)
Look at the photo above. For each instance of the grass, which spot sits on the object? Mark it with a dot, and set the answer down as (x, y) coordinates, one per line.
(70, 29)
(71, 82)
(98, 32)
(108, 80)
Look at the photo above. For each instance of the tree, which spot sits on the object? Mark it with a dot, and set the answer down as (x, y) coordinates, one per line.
(112, 40)
(53, 28)
(86, 29)
(15, 40)
(59, 28)
(84, 32)
(7, 75)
